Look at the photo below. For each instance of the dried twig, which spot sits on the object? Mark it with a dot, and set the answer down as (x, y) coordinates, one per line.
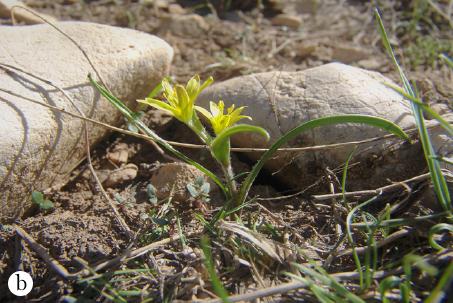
(390, 238)
(372, 192)
(132, 254)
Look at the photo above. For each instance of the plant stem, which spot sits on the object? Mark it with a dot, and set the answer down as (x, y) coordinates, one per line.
(230, 182)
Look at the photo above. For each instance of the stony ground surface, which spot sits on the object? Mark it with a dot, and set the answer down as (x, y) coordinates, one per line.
(209, 40)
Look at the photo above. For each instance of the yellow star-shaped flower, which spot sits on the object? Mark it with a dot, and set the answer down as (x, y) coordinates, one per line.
(218, 119)
(180, 100)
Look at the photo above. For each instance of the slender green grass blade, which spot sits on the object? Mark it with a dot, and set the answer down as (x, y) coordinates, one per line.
(435, 230)
(386, 285)
(438, 294)
(439, 182)
(215, 280)
(445, 124)
(355, 256)
(345, 174)
(447, 60)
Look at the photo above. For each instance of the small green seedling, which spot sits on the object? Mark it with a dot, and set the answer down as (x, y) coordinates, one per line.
(151, 192)
(38, 198)
(199, 189)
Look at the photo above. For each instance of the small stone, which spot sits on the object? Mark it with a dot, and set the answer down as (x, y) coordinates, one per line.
(441, 109)
(290, 21)
(304, 7)
(371, 64)
(304, 50)
(162, 4)
(172, 178)
(121, 175)
(291, 6)
(349, 54)
(119, 154)
(191, 25)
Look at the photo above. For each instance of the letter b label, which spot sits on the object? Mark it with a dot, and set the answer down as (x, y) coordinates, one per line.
(20, 283)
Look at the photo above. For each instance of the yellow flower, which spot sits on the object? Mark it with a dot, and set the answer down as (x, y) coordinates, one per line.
(219, 120)
(179, 99)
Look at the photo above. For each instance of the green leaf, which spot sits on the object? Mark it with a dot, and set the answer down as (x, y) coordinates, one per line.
(447, 60)
(38, 198)
(192, 190)
(439, 292)
(435, 230)
(46, 204)
(388, 284)
(292, 134)
(160, 221)
(151, 192)
(220, 146)
(205, 188)
(215, 280)
(445, 124)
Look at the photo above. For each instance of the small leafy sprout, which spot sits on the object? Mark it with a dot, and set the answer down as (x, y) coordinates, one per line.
(220, 121)
(199, 189)
(38, 198)
(151, 192)
(118, 198)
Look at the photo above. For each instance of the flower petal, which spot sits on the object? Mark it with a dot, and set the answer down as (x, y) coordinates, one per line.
(159, 105)
(193, 87)
(204, 112)
(184, 103)
(206, 83)
(214, 108)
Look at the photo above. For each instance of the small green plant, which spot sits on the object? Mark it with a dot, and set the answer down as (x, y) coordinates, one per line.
(179, 101)
(43, 203)
(199, 189)
(151, 193)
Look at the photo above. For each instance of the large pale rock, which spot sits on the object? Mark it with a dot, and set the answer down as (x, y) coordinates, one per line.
(39, 147)
(280, 101)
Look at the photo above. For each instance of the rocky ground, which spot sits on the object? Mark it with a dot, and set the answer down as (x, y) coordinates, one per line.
(225, 39)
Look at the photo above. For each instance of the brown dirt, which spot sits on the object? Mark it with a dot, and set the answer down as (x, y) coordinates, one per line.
(243, 41)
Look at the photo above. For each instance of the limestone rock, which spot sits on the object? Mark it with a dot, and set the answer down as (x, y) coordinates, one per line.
(280, 101)
(40, 146)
